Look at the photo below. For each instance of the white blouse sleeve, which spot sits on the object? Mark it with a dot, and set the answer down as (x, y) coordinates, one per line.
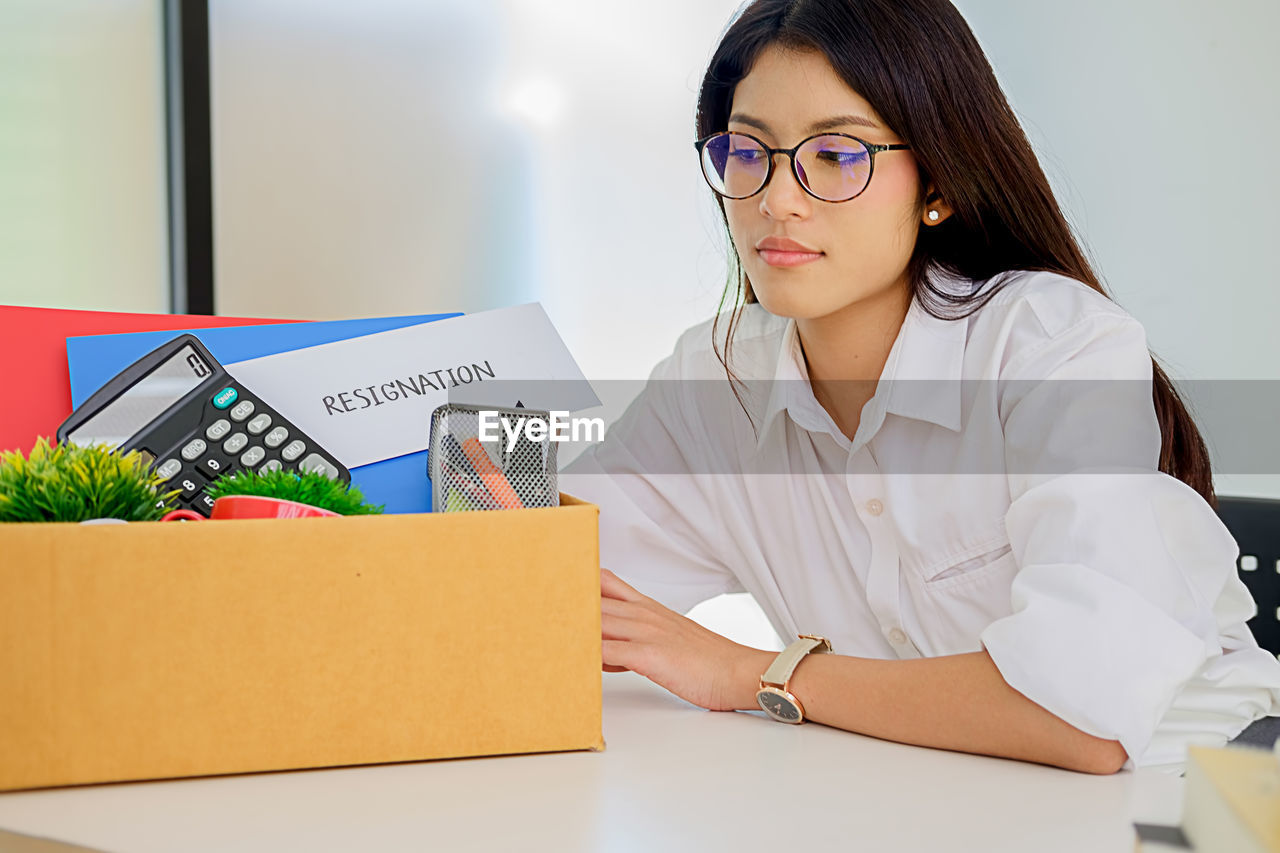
(655, 513)
(1126, 585)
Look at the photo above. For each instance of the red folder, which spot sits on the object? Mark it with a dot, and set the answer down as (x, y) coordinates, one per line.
(35, 387)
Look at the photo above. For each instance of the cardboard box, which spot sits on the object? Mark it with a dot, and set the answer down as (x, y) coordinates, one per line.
(157, 650)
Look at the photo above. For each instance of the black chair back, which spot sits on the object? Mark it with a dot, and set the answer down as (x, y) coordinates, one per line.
(1255, 524)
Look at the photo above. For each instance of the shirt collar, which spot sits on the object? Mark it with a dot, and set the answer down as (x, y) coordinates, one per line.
(789, 375)
(924, 383)
(920, 380)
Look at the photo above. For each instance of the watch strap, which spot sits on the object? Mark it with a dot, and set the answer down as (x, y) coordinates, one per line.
(779, 672)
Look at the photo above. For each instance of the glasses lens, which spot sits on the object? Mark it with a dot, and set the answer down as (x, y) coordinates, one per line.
(834, 168)
(735, 165)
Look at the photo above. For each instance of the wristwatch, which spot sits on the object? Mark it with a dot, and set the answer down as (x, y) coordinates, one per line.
(773, 696)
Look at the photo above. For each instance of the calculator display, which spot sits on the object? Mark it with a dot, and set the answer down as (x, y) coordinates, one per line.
(144, 401)
(194, 423)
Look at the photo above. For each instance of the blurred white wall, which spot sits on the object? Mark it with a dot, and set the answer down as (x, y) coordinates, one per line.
(401, 156)
(83, 209)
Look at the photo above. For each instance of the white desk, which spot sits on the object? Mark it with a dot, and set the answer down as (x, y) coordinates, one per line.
(674, 777)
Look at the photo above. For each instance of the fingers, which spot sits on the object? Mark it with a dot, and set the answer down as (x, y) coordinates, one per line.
(645, 620)
(629, 624)
(612, 586)
(621, 620)
(613, 629)
(621, 654)
(622, 609)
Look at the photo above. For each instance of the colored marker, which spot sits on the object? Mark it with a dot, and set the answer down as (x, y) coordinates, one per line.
(493, 478)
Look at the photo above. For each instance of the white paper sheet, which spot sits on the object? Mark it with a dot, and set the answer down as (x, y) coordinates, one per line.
(370, 398)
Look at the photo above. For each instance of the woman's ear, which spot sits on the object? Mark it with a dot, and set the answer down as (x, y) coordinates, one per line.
(936, 210)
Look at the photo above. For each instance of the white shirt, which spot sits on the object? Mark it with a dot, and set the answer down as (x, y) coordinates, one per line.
(1001, 492)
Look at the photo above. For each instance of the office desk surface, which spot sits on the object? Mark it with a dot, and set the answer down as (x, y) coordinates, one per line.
(674, 777)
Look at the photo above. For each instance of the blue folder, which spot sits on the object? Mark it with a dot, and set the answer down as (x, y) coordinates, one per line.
(399, 484)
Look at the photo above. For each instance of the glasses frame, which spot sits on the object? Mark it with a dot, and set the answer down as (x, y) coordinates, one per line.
(872, 150)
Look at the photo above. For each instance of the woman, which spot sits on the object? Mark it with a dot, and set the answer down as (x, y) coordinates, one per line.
(943, 448)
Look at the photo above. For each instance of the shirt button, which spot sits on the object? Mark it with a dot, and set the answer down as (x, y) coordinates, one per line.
(874, 506)
(897, 637)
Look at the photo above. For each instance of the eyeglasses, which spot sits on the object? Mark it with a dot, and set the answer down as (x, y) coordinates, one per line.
(829, 166)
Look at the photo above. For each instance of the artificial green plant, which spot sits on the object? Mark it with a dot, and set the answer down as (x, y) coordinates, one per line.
(73, 483)
(310, 487)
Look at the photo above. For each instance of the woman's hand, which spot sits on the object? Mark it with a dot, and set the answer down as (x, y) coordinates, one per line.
(699, 666)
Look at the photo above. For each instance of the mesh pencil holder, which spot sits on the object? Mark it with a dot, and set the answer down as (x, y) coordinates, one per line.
(484, 457)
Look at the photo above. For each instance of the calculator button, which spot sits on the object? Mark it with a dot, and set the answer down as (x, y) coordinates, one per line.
(203, 503)
(242, 410)
(225, 397)
(190, 486)
(276, 437)
(269, 466)
(169, 470)
(194, 448)
(316, 462)
(293, 450)
(218, 429)
(235, 444)
(212, 467)
(252, 456)
(259, 424)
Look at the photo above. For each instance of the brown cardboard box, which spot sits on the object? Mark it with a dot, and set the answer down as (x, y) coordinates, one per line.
(154, 650)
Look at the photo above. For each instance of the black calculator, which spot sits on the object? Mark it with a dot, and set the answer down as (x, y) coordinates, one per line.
(194, 421)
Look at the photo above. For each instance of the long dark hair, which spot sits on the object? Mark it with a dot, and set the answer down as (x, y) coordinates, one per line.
(918, 65)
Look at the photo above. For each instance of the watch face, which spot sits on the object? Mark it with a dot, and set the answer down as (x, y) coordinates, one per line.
(776, 704)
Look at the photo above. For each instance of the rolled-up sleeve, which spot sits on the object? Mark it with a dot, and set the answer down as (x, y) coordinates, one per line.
(1126, 578)
(656, 511)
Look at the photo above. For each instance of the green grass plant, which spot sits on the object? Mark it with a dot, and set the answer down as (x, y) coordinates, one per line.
(72, 483)
(310, 487)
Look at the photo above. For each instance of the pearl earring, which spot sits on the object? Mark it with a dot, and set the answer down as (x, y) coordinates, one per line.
(933, 216)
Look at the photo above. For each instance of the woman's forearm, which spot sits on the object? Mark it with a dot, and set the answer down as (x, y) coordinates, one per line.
(957, 702)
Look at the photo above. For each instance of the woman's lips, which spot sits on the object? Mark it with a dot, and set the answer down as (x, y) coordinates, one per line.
(784, 252)
(782, 258)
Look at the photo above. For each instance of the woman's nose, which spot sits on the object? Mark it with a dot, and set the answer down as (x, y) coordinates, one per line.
(783, 197)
